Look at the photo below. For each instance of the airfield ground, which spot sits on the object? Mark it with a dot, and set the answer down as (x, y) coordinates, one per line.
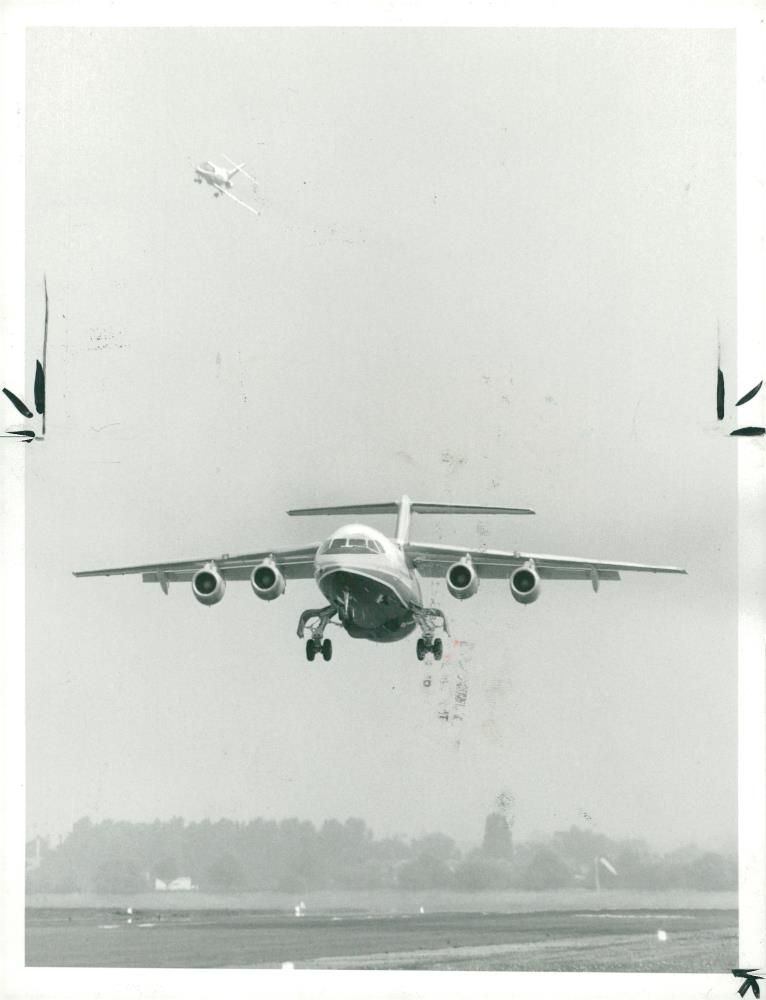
(646, 938)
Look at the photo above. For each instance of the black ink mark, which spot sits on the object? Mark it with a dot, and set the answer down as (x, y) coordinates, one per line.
(749, 395)
(26, 435)
(750, 981)
(741, 431)
(20, 406)
(720, 393)
(40, 373)
(39, 388)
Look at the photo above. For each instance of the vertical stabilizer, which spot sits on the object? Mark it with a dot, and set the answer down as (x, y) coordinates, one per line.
(403, 517)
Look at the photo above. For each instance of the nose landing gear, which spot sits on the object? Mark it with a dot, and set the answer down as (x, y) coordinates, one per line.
(314, 646)
(429, 619)
(316, 620)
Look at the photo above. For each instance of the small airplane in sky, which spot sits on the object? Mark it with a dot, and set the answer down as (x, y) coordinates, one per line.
(372, 582)
(220, 178)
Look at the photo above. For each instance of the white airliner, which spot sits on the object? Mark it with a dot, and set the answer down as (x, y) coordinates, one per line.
(220, 178)
(372, 581)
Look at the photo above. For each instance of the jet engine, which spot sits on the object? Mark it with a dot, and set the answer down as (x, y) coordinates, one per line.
(462, 580)
(525, 584)
(267, 582)
(208, 586)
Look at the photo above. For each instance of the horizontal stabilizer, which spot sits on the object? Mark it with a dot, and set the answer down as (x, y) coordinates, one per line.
(404, 508)
(464, 508)
(416, 506)
(359, 508)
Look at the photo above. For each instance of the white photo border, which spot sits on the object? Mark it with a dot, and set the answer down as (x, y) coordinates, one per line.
(747, 18)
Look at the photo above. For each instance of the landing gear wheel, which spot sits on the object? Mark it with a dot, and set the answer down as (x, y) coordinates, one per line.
(426, 682)
(310, 650)
(327, 649)
(437, 649)
(421, 648)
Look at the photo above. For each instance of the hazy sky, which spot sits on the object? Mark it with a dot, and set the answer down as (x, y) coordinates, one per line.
(490, 268)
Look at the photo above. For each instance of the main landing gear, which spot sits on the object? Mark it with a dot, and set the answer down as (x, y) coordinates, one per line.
(429, 619)
(316, 621)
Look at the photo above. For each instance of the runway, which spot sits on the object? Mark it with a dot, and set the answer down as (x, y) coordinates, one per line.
(617, 941)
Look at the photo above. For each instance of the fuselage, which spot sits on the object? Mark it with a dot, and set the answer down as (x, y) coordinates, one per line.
(364, 574)
(212, 174)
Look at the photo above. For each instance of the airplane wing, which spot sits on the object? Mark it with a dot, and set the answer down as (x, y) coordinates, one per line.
(433, 561)
(239, 201)
(295, 564)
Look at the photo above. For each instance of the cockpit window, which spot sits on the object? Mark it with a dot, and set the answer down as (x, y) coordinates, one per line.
(355, 544)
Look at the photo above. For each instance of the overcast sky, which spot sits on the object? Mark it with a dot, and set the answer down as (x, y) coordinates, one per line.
(490, 267)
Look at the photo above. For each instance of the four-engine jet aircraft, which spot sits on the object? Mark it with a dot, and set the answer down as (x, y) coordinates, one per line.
(220, 179)
(372, 582)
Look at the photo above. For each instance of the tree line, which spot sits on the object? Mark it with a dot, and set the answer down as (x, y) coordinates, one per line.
(296, 856)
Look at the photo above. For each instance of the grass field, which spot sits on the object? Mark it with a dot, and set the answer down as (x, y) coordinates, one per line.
(560, 931)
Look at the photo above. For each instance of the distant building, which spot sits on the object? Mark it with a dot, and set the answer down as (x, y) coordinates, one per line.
(181, 884)
(498, 840)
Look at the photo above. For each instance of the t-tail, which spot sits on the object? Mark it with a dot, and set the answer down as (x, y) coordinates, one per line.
(235, 170)
(404, 508)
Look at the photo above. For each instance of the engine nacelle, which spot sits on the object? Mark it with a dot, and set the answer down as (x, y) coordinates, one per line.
(462, 580)
(267, 581)
(208, 586)
(525, 584)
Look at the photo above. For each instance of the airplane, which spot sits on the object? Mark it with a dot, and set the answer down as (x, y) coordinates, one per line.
(372, 581)
(221, 179)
